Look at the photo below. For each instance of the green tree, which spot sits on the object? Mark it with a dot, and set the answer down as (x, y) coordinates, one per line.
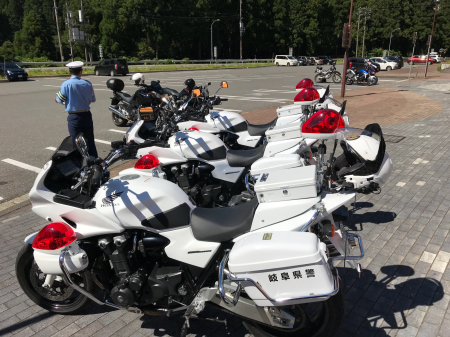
(7, 51)
(34, 39)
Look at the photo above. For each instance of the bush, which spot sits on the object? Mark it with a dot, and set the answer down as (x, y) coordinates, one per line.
(185, 60)
(169, 61)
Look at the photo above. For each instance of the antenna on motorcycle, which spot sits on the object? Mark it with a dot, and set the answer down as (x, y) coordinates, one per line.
(324, 97)
(343, 108)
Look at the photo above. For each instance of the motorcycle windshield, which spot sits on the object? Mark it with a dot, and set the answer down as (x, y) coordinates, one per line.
(363, 143)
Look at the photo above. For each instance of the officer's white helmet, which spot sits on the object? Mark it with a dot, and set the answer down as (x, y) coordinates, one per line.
(138, 78)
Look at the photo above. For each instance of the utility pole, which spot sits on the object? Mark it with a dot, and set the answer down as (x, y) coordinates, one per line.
(212, 55)
(390, 40)
(344, 74)
(357, 33)
(364, 36)
(69, 24)
(241, 29)
(83, 21)
(414, 47)
(431, 36)
(59, 34)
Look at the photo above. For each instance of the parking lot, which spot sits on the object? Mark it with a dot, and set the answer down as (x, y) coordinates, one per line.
(405, 229)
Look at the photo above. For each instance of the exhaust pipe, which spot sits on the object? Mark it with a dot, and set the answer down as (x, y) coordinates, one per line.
(117, 112)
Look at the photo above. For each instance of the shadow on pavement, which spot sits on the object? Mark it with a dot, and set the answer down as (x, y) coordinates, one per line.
(377, 304)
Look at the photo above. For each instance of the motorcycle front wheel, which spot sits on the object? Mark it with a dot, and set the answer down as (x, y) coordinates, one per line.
(349, 80)
(337, 78)
(118, 121)
(311, 319)
(60, 298)
(319, 79)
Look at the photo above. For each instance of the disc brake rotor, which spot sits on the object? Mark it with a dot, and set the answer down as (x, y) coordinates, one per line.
(59, 290)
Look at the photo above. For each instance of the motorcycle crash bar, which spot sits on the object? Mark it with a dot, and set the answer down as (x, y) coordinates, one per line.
(117, 112)
(233, 278)
(68, 280)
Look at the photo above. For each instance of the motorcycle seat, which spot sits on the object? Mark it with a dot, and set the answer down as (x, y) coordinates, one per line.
(222, 224)
(125, 96)
(169, 91)
(320, 68)
(244, 158)
(259, 130)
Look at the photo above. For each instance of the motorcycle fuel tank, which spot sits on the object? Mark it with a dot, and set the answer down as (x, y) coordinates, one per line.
(140, 201)
(227, 121)
(198, 145)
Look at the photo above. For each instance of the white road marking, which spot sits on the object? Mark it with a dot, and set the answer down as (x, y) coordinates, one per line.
(11, 219)
(417, 161)
(232, 110)
(119, 131)
(261, 99)
(102, 141)
(386, 80)
(22, 165)
(54, 86)
(420, 183)
(400, 184)
(51, 148)
(403, 80)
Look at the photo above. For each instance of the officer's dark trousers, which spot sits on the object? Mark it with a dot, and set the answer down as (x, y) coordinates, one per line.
(82, 122)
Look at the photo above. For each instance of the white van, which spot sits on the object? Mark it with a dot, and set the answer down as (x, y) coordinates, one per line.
(285, 60)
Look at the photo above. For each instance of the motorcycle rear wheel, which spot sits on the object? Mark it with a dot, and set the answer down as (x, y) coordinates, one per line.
(324, 324)
(118, 121)
(337, 78)
(349, 80)
(319, 79)
(61, 298)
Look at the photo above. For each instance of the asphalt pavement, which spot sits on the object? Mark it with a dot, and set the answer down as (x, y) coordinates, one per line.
(33, 125)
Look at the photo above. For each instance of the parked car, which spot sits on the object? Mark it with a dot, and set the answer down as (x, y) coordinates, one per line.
(420, 59)
(375, 64)
(436, 58)
(301, 62)
(285, 60)
(356, 62)
(13, 71)
(326, 59)
(111, 67)
(305, 59)
(397, 59)
(312, 60)
(318, 60)
(384, 65)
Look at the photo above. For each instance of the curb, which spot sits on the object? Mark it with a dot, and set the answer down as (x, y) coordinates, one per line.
(14, 204)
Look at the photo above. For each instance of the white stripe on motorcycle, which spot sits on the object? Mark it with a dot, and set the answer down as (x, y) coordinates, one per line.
(22, 165)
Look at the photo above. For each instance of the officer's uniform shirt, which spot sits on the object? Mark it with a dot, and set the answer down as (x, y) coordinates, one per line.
(77, 94)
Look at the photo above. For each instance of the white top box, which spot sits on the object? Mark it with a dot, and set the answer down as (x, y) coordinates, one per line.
(288, 184)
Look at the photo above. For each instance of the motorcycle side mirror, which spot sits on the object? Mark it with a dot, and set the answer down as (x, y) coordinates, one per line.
(209, 83)
(325, 95)
(224, 84)
(343, 108)
(82, 146)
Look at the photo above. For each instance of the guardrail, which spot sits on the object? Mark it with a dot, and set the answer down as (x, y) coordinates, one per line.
(150, 62)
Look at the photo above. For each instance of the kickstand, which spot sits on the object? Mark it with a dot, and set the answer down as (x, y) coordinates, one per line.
(190, 314)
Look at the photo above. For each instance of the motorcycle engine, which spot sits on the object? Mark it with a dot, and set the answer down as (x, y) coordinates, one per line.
(141, 274)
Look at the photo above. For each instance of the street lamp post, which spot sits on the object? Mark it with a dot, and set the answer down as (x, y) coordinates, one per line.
(212, 40)
(389, 52)
(431, 37)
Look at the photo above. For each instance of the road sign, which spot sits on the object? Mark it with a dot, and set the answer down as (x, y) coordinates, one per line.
(100, 50)
(215, 52)
(291, 50)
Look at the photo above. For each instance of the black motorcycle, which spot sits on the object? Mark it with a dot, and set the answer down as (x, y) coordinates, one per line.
(323, 75)
(143, 104)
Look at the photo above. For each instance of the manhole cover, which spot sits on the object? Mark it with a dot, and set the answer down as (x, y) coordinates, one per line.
(393, 139)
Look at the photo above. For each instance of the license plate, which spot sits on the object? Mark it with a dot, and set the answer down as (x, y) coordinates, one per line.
(147, 117)
(19, 75)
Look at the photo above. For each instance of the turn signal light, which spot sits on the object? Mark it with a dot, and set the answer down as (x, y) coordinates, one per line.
(305, 83)
(324, 121)
(193, 129)
(307, 95)
(147, 162)
(54, 236)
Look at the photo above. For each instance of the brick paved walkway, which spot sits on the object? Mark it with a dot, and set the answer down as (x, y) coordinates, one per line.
(405, 228)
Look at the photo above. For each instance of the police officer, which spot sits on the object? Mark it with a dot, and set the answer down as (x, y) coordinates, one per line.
(77, 95)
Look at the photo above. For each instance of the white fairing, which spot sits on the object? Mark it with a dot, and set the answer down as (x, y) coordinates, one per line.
(132, 133)
(286, 265)
(225, 120)
(48, 260)
(247, 140)
(223, 171)
(381, 177)
(366, 147)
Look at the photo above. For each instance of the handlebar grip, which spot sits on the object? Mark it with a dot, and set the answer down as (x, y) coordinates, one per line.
(97, 175)
(224, 99)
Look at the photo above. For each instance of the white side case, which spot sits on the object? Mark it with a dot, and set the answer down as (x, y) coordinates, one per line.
(284, 132)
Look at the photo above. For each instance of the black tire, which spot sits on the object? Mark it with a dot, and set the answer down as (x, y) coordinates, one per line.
(430, 63)
(118, 121)
(331, 319)
(277, 64)
(97, 73)
(26, 270)
(388, 68)
(288, 64)
(111, 73)
(25, 79)
(349, 81)
(337, 78)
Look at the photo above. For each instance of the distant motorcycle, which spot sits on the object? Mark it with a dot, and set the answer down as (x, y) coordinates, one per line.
(365, 75)
(323, 75)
